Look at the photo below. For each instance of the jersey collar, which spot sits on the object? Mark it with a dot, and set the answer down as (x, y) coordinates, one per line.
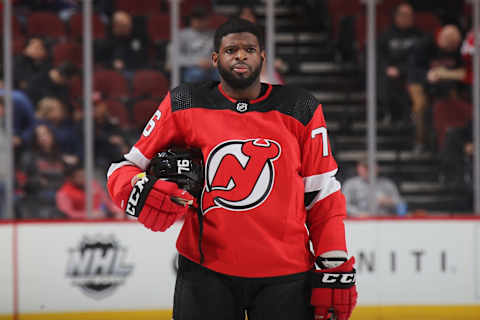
(259, 99)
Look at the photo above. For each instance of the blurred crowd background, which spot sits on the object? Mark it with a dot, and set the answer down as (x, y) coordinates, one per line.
(424, 71)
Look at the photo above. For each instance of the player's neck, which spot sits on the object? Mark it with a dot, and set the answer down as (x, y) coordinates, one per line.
(250, 93)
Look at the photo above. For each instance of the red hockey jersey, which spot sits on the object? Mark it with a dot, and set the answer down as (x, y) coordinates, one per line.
(270, 182)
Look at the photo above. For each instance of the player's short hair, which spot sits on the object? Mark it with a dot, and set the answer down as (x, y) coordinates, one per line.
(237, 25)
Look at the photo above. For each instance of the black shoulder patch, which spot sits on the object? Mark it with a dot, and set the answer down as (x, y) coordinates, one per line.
(181, 97)
(295, 102)
(189, 95)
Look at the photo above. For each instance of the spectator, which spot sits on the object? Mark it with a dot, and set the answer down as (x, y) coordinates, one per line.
(71, 198)
(395, 46)
(110, 142)
(195, 48)
(126, 48)
(52, 83)
(435, 68)
(52, 112)
(31, 62)
(357, 189)
(44, 168)
(23, 118)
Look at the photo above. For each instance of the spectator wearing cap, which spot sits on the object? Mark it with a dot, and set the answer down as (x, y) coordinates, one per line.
(357, 191)
(195, 48)
(52, 83)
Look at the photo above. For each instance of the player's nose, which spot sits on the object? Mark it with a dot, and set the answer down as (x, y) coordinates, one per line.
(241, 55)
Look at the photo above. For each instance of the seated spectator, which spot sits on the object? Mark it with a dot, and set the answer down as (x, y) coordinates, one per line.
(23, 118)
(31, 62)
(71, 198)
(195, 48)
(52, 112)
(125, 49)
(435, 68)
(395, 46)
(110, 141)
(52, 83)
(357, 191)
(44, 167)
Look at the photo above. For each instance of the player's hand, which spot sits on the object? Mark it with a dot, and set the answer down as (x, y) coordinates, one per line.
(334, 290)
(151, 201)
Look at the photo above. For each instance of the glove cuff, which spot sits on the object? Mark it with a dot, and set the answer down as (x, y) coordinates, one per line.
(341, 277)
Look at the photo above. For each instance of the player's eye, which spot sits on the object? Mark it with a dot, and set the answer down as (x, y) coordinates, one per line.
(229, 50)
(251, 50)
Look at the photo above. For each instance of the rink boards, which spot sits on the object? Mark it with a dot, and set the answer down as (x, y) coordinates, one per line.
(407, 269)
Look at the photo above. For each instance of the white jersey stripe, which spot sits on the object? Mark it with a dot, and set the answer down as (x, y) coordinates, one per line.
(116, 165)
(137, 158)
(319, 181)
(332, 186)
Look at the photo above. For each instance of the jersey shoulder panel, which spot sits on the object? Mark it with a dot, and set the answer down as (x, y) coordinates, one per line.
(295, 102)
(190, 95)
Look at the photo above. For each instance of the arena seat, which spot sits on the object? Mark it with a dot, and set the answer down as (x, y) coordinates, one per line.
(149, 83)
(76, 26)
(110, 83)
(142, 111)
(119, 112)
(47, 24)
(67, 51)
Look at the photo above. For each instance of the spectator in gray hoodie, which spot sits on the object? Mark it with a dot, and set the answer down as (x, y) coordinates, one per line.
(387, 198)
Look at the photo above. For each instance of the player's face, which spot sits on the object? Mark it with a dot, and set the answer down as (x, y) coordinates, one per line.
(239, 60)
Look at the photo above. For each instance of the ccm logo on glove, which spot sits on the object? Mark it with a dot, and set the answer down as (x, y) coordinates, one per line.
(133, 205)
(338, 278)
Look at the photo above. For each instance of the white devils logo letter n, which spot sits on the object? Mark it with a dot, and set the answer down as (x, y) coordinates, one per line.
(239, 174)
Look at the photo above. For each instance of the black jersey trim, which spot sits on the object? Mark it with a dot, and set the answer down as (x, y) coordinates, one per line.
(292, 101)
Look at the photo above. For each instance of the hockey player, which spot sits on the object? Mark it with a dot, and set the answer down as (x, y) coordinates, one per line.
(269, 190)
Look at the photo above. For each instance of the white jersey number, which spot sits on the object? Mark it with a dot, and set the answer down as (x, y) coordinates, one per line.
(151, 124)
(323, 132)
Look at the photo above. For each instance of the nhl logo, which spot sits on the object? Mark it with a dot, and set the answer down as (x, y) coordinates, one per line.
(242, 106)
(97, 266)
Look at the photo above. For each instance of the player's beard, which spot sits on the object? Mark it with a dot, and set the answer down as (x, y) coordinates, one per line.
(239, 82)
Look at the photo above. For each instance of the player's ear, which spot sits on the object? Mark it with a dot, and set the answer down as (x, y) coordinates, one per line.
(263, 55)
(215, 58)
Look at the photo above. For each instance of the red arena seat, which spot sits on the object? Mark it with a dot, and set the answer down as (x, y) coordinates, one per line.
(149, 83)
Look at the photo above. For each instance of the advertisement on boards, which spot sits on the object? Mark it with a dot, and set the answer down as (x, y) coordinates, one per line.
(415, 262)
(95, 267)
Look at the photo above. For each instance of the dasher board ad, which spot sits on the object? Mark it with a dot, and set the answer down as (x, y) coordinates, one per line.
(416, 262)
(103, 266)
(89, 267)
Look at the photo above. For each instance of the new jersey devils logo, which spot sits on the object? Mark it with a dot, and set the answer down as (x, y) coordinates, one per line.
(239, 174)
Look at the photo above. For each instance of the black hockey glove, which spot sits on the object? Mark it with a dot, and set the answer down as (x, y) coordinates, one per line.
(181, 166)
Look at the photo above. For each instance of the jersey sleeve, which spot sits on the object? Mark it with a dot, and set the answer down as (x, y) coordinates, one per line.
(161, 131)
(325, 202)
